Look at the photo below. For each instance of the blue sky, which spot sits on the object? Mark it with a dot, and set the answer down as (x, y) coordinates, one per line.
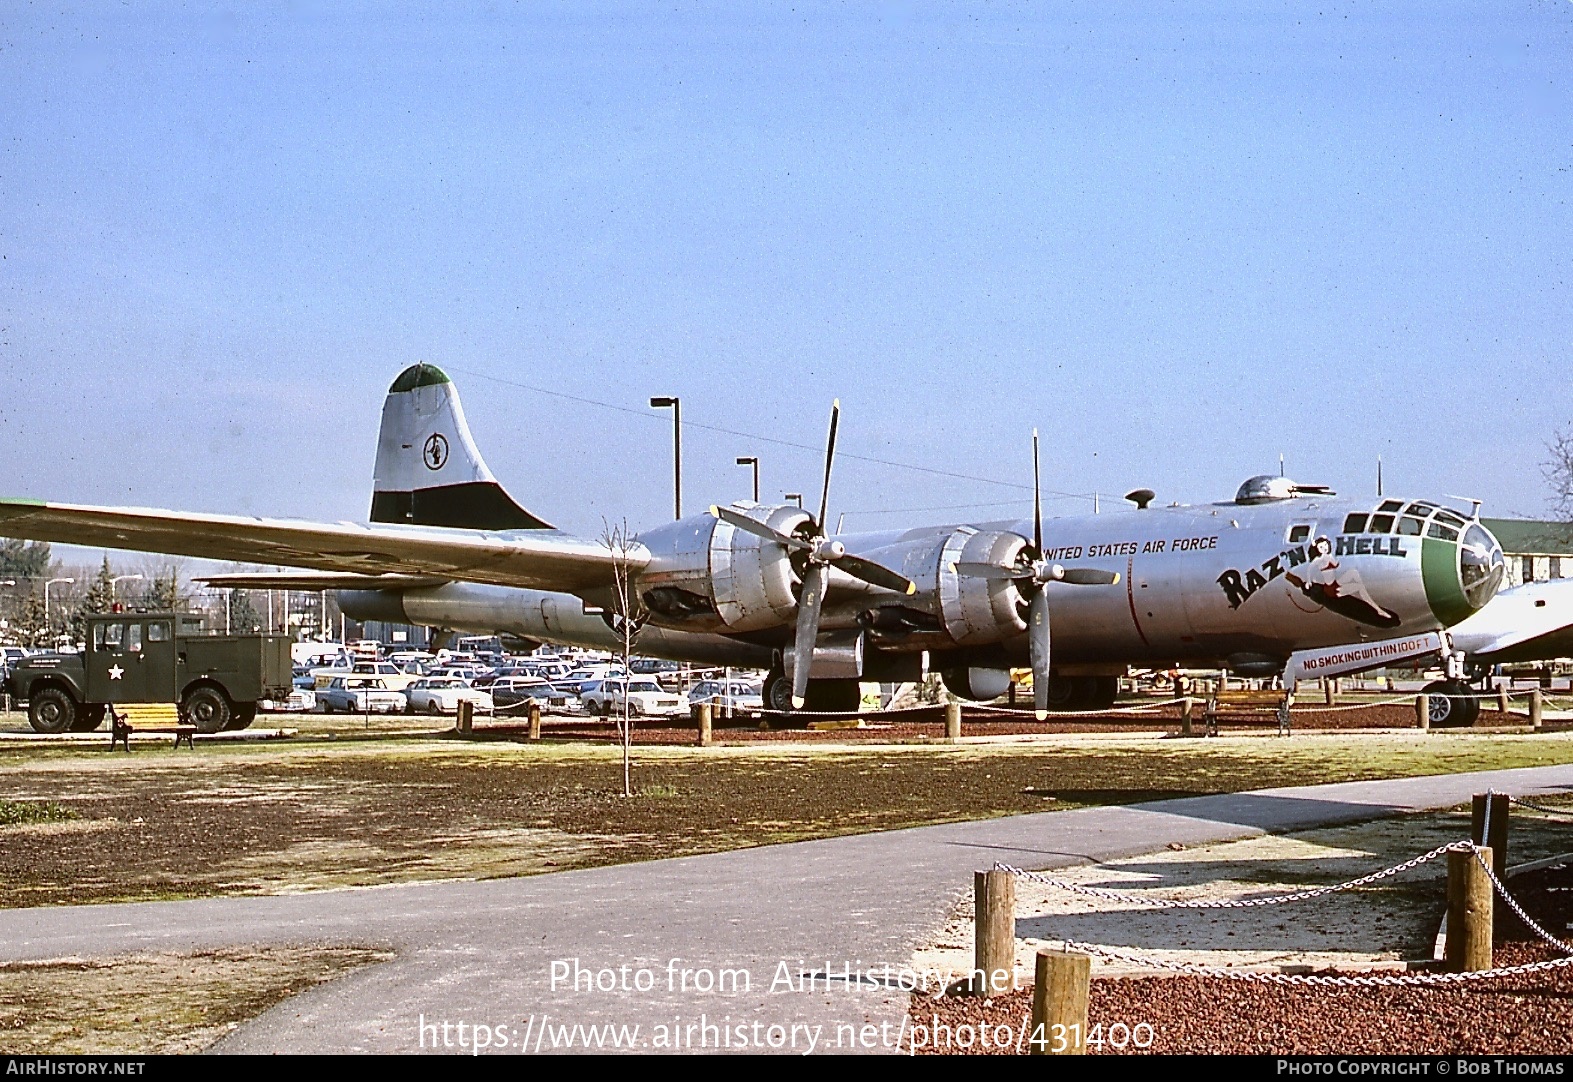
(1179, 239)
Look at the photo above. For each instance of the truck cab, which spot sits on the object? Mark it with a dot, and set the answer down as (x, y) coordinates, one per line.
(153, 657)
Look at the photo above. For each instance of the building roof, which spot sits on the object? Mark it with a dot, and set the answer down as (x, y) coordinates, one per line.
(1520, 536)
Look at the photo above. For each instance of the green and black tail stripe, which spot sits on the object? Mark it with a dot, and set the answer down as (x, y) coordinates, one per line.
(429, 471)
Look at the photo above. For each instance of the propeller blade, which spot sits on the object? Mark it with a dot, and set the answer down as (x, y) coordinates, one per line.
(874, 573)
(975, 570)
(1038, 642)
(807, 631)
(1089, 576)
(759, 529)
(830, 458)
(1037, 502)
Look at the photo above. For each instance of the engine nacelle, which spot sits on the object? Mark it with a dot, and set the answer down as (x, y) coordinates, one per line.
(707, 575)
(979, 685)
(977, 610)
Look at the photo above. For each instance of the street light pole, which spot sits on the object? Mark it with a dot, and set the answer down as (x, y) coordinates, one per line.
(754, 462)
(115, 582)
(677, 449)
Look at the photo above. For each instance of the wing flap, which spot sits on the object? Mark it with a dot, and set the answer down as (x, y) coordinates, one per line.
(529, 559)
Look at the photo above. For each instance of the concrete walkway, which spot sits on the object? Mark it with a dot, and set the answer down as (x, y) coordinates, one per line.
(486, 952)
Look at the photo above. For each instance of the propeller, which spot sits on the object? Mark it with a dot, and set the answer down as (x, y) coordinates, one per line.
(820, 554)
(1033, 574)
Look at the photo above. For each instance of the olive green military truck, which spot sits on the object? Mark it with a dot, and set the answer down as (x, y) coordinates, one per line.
(153, 657)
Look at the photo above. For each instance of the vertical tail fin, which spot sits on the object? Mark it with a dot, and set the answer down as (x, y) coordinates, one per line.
(429, 471)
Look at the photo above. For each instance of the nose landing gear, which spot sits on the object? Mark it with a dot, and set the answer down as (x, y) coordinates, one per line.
(1453, 703)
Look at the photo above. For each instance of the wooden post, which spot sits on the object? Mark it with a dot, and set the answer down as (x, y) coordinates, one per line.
(953, 722)
(1423, 711)
(1496, 837)
(994, 937)
(1536, 709)
(1327, 686)
(704, 725)
(535, 719)
(1186, 706)
(1059, 1004)
(1468, 913)
(1502, 697)
(466, 718)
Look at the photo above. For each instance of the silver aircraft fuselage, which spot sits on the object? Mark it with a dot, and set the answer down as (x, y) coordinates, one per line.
(1250, 581)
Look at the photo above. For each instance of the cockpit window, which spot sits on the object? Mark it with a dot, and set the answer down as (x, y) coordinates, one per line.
(1421, 509)
(1411, 527)
(1354, 523)
(1442, 530)
(1391, 505)
(1380, 524)
(1451, 519)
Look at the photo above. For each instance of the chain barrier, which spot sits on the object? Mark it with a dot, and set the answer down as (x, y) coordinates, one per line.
(1054, 715)
(1316, 980)
(1233, 903)
(1512, 903)
(1563, 812)
(1312, 979)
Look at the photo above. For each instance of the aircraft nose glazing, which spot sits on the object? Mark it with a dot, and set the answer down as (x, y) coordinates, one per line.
(1480, 565)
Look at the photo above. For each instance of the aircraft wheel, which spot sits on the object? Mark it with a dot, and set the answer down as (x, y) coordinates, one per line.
(51, 711)
(1098, 692)
(208, 709)
(1063, 693)
(1452, 704)
(778, 691)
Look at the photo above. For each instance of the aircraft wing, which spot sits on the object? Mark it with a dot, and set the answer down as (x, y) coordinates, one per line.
(529, 558)
(312, 581)
(1532, 622)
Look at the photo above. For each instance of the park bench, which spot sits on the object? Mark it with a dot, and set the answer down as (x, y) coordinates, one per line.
(1248, 706)
(128, 718)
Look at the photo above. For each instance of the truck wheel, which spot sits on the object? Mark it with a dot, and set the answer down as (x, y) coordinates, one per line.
(244, 715)
(51, 711)
(88, 718)
(208, 709)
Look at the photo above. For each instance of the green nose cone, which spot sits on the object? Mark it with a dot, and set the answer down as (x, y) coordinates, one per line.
(1444, 589)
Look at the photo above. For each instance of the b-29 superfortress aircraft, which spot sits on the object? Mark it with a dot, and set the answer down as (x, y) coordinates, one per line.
(1284, 578)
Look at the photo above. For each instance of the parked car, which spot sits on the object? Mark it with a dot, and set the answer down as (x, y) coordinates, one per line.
(514, 693)
(302, 700)
(738, 697)
(644, 695)
(443, 694)
(359, 695)
(576, 680)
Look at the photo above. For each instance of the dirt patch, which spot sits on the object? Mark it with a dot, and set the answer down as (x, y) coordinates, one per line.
(276, 817)
(156, 1003)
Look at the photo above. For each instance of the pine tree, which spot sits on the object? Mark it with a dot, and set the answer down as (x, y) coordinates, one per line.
(23, 559)
(100, 597)
(163, 592)
(243, 615)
